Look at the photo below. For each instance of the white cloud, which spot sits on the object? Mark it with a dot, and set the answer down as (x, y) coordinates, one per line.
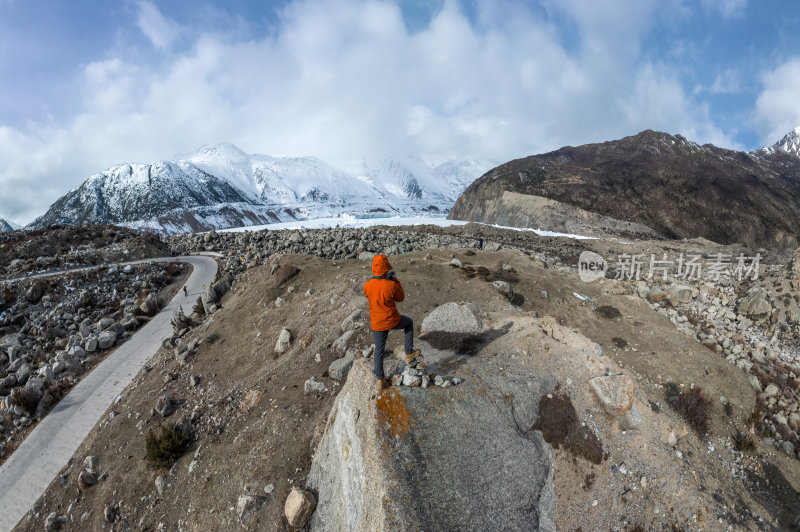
(161, 31)
(727, 8)
(727, 82)
(778, 105)
(343, 80)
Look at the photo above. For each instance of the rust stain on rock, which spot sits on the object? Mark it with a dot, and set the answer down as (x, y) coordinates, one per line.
(393, 411)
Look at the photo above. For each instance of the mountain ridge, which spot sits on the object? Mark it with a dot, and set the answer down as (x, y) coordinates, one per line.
(672, 185)
(221, 186)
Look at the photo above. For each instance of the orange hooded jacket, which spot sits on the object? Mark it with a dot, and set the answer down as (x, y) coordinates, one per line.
(382, 294)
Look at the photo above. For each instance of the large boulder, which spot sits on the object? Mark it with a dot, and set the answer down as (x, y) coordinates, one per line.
(679, 294)
(408, 446)
(452, 317)
(35, 291)
(106, 339)
(755, 304)
(214, 293)
(339, 368)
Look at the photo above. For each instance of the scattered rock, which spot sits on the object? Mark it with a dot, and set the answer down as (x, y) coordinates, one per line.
(91, 463)
(161, 484)
(504, 288)
(86, 479)
(164, 406)
(339, 346)
(312, 385)
(247, 505)
(300, 505)
(339, 368)
(353, 321)
(284, 341)
(615, 393)
(106, 339)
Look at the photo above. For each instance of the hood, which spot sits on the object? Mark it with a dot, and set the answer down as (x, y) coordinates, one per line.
(380, 265)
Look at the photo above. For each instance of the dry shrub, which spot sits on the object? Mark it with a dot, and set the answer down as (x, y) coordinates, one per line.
(462, 343)
(26, 398)
(608, 312)
(619, 342)
(744, 442)
(284, 273)
(164, 449)
(502, 274)
(181, 321)
(198, 307)
(174, 269)
(560, 427)
(469, 253)
(693, 405)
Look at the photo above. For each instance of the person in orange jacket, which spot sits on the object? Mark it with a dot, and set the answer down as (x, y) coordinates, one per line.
(383, 291)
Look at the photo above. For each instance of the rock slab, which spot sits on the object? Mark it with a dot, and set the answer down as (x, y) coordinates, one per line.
(390, 447)
(452, 317)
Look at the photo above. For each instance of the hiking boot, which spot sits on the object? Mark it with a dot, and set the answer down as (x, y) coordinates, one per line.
(414, 360)
(381, 385)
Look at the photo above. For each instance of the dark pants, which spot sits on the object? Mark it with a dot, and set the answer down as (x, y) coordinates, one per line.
(407, 325)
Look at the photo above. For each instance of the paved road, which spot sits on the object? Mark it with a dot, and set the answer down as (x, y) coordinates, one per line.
(48, 448)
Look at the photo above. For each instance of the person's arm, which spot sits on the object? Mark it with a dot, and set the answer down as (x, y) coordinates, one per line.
(399, 295)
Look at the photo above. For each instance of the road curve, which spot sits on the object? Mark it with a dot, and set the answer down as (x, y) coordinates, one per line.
(50, 445)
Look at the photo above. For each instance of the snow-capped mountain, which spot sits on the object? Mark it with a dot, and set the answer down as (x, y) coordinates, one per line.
(7, 226)
(790, 144)
(220, 186)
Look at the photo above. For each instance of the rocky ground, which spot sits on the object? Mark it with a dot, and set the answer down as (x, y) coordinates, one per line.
(64, 247)
(252, 385)
(55, 330)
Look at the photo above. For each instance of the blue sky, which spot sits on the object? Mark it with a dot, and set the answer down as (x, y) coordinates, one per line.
(88, 84)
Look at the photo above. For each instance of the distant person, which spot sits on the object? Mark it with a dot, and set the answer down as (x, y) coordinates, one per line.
(185, 293)
(480, 243)
(383, 291)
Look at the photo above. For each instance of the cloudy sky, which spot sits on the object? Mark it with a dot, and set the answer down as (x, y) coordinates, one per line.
(88, 84)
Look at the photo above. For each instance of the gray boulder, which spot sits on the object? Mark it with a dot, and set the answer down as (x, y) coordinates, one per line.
(339, 346)
(106, 339)
(353, 321)
(679, 294)
(90, 346)
(755, 304)
(214, 293)
(389, 448)
(504, 288)
(164, 406)
(23, 373)
(339, 368)
(452, 317)
(35, 291)
(312, 385)
(10, 340)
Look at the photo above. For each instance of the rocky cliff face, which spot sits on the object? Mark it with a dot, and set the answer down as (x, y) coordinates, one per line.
(664, 182)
